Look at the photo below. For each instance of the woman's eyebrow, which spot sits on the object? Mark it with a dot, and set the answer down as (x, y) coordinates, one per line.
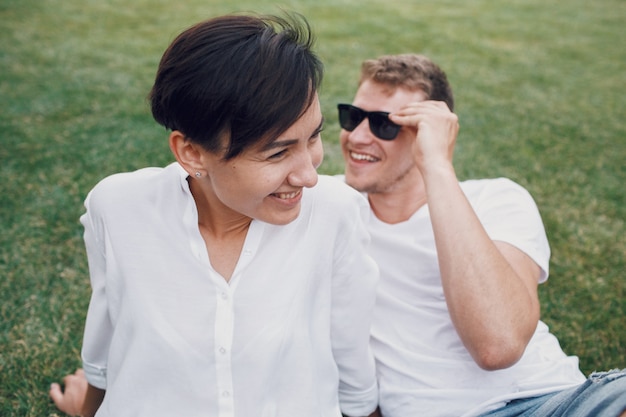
(278, 144)
(288, 142)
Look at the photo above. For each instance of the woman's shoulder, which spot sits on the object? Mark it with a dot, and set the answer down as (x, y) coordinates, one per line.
(125, 182)
(334, 200)
(333, 190)
(133, 185)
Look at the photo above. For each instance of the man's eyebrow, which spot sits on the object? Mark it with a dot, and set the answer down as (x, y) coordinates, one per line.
(288, 142)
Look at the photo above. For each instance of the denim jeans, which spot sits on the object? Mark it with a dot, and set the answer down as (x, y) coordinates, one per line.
(602, 395)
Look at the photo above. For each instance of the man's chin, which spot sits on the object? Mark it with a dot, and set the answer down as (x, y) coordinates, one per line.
(356, 182)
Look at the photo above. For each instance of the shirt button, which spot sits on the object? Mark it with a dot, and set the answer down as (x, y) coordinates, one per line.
(225, 394)
(222, 350)
(224, 296)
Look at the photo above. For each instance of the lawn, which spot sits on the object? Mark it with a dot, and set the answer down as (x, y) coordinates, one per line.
(540, 92)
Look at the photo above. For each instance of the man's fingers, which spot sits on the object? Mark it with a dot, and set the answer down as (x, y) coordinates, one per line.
(422, 107)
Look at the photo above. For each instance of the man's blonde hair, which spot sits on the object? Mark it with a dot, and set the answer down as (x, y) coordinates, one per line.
(412, 72)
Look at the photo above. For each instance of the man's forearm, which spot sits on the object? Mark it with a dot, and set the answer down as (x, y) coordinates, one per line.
(490, 290)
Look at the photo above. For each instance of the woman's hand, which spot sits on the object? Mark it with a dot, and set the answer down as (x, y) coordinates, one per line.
(71, 400)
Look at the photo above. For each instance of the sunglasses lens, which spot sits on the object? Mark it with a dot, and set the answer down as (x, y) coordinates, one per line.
(350, 117)
(382, 127)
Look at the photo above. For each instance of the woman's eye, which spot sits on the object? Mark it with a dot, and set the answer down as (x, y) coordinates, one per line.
(278, 154)
(317, 135)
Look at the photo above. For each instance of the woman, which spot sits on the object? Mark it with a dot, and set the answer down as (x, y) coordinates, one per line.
(233, 282)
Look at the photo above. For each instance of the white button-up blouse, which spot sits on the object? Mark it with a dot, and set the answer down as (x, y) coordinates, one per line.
(287, 336)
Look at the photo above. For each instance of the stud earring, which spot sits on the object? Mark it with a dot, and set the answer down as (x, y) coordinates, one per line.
(198, 174)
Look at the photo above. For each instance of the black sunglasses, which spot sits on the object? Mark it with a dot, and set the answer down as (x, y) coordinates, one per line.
(380, 125)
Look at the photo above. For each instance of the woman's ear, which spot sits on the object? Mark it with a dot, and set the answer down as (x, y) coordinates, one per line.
(187, 153)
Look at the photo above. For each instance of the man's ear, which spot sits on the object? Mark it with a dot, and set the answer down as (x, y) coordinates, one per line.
(187, 153)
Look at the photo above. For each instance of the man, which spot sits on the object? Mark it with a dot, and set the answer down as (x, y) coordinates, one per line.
(456, 329)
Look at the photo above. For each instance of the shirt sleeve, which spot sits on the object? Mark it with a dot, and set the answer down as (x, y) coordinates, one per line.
(509, 214)
(353, 299)
(98, 327)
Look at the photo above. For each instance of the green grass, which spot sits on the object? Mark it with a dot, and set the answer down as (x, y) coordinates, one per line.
(540, 95)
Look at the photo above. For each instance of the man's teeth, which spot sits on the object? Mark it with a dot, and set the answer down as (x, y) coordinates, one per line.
(362, 157)
(286, 196)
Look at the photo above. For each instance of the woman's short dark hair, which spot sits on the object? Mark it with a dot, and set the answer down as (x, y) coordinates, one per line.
(233, 81)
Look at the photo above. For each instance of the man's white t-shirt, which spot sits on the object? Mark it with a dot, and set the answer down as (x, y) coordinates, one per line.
(287, 336)
(423, 368)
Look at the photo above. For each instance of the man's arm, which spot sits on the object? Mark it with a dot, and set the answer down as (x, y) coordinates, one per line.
(490, 287)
